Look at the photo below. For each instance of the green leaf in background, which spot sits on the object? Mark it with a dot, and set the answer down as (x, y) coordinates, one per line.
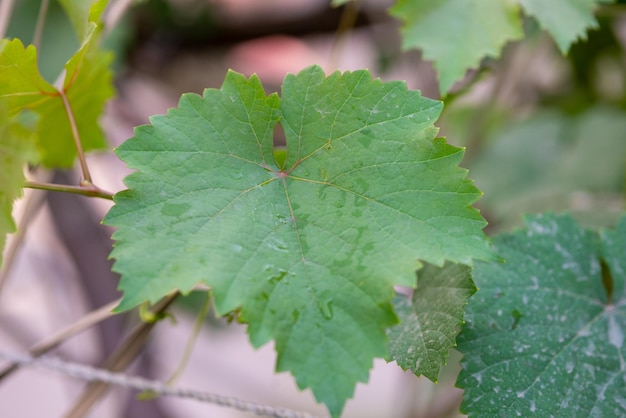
(553, 161)
(87, 86)
(82, 12)
(457, 34)
(309, 251)
(429, 320)
(21, 85)
(17, 147)
(543, 333)
(566, 20)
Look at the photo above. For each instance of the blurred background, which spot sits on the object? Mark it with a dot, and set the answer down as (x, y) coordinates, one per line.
(543, 132)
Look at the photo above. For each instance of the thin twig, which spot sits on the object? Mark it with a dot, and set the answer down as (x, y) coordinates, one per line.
(346, 24)
(120, 359)
(92, 374)
(6, 8)
(77, 143)
(197, 326)
(41, 21)
(115, 12)
(47, 344)
(90, 190)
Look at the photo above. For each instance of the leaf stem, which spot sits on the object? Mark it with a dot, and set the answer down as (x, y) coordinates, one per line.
(115, 12)
(79, 147)
(90, 190)
(41, 20)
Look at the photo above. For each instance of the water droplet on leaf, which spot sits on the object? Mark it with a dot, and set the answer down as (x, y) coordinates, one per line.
(326, 307)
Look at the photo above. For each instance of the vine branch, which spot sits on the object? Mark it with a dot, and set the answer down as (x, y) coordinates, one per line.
(120, 359)
(54, 340)
(6, 7)
(41, 20)
(90, 190)
(92, 374)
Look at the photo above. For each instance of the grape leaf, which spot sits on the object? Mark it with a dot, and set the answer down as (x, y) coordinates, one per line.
(87, 86)
(545, 333)
(17, 147)
(308, 249)
(457, 34)
(565, 20)
(429, 319)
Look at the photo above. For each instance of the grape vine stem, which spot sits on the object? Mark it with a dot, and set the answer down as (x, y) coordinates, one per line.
(85, 189)
(92, 374)
(86, 181)
(6, 7)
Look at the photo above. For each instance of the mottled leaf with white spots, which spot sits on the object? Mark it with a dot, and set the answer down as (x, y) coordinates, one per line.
(545, 332)
(430, 318)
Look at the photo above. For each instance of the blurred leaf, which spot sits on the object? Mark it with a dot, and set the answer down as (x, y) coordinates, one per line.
(551, 161)
(457, 34)
(82, 12)
(566, 20)
(17, 147)
(543, 335)
(58, 40)
(87, 86)
(429, 319)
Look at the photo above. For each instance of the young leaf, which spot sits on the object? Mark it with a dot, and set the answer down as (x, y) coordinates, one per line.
(87, 86)
(308, 249)
(457, 34)
(545, 333)
(429, 319)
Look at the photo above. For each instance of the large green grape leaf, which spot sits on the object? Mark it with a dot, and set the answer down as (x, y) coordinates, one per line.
(308, 248)
(87, 85)
(457, 34)
(17, 147)
(429, 320)
(544, 334)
